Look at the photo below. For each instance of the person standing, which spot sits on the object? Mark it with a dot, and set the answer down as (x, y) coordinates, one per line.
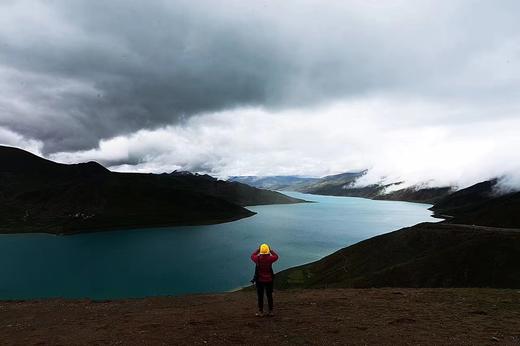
(264, 257)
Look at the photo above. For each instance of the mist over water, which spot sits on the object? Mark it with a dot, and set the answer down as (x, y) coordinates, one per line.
(182, 260)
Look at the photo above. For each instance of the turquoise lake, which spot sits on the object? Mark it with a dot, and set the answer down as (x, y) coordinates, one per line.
(195, 259)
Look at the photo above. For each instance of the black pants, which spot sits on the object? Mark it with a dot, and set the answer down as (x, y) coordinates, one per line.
(268, 287)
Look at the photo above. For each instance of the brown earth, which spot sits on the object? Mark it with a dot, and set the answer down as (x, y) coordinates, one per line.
(324, 317)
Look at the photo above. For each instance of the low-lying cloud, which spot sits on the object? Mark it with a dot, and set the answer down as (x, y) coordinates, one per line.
(346, 136)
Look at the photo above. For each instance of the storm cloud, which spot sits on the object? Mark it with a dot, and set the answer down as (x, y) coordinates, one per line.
(76, 75)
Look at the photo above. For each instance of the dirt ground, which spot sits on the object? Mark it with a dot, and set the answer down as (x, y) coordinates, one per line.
(317, 317)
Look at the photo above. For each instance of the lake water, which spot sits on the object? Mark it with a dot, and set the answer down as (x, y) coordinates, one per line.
(195, 259)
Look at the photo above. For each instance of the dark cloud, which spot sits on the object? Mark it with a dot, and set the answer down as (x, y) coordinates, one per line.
(76, 72)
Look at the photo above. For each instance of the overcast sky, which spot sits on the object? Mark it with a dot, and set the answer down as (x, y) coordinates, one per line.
(422, 91)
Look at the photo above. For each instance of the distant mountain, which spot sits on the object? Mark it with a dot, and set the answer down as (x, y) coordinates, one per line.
(481, 204)
(425, 255)
(417, 194)
(275, 182)
(344, 184)
(297, 183)
(330, 184)
(38, 195)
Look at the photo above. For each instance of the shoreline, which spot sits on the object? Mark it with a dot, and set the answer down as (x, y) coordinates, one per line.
(342, 196)
(203, 223)
(130, 228)
(156, 226)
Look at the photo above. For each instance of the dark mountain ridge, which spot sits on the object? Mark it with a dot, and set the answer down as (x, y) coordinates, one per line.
(39, 195)
(481, 204)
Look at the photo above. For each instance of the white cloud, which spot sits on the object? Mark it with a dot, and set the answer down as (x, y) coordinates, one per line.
(75, 77)
(13, 139)
(346, 136)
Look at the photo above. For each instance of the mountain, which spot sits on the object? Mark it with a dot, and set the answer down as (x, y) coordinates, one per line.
(481, 204)
(38, 195)
(329, 184)
(234, 192)
(275, 182)
(453, 253)
(425, 255)
(417, 194)
(344, 184)
(296, 183)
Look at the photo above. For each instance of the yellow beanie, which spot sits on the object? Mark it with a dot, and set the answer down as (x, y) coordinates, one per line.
(264, 249)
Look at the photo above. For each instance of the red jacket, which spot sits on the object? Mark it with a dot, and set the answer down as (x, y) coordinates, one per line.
(264, 262)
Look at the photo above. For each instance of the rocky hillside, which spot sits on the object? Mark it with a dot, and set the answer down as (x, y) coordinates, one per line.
(425, 255)
(38, 195)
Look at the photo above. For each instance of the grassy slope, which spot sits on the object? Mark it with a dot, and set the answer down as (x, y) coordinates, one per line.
(425, 255)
